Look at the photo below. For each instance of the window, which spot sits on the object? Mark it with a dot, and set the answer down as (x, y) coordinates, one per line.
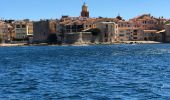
(17, 26)
(23, 26)
(105, 35)
(121, 35)
(134, 33)
(135, 38)
(68, 30)
(106, 26)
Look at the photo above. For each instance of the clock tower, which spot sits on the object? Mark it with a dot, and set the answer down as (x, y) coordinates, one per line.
(85, 12)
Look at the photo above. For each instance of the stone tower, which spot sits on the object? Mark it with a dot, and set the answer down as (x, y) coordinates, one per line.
(85, 12)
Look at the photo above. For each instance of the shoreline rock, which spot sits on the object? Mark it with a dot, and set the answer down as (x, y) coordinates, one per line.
(80, 44)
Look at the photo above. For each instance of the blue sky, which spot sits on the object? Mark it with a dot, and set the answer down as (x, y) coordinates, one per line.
(46, 9)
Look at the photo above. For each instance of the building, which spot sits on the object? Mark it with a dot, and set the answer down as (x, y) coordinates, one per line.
(3, 31)
(167, 33)
(109, 32)
(144, 27)
(23, 30)
(148, 22)
(85, 12)
(6, 31)
(125, 30)
(71, 25)
(11, 29)
(43, 29)
(145, 22)
(128, 31)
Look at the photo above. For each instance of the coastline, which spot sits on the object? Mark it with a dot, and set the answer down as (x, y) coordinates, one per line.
(80, 44)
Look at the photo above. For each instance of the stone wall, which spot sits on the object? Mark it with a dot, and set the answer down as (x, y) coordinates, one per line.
(72, 38)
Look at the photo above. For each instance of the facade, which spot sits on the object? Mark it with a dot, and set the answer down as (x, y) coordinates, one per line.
(6, 31)
(23, 29)
(124, 35)
(74, 27)
(167, 33)
(11, 29)
(109, 31)
(42, 29)
(136, 34)
(125, 30)
(3, 31)
(128, 31)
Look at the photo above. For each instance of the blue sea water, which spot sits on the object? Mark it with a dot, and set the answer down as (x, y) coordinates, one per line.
(101, 72)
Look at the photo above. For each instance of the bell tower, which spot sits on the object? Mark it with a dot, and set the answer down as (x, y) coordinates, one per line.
(85, 12)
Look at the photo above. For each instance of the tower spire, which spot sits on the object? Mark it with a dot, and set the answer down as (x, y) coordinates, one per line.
(84, 12)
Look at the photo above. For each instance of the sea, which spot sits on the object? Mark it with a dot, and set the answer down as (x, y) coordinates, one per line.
(96, 72)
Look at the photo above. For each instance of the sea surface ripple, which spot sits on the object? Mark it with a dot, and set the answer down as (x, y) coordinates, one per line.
(101, 72)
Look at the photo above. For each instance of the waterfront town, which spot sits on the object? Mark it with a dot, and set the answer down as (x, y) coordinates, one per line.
(85, 30)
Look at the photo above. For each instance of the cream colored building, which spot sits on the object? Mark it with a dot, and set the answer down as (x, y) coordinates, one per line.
(124, 34)
(136, 34)
(23, 29)
(109, 31)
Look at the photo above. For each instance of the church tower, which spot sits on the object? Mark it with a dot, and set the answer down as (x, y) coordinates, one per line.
(85, 12)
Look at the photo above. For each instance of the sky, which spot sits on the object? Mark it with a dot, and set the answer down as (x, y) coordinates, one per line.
(47, 9)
